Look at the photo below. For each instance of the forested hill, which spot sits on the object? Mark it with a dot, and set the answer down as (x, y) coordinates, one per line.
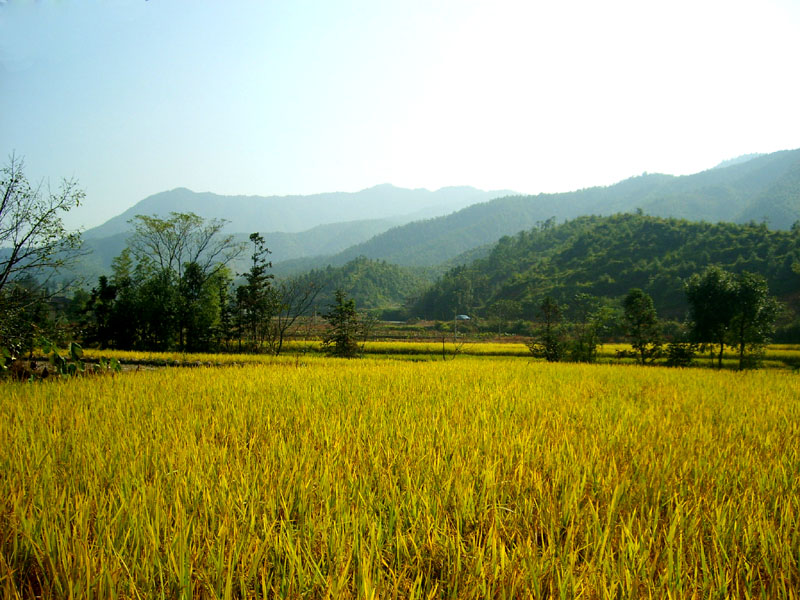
(373, 284)
(606, 256)
(763, 189)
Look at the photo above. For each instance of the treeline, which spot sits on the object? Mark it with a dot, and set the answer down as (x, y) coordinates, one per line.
(171, 288)
(604, 257)
(725, 309)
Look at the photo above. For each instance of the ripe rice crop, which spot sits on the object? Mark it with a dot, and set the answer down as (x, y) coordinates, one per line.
(374, 478)
(775, 356)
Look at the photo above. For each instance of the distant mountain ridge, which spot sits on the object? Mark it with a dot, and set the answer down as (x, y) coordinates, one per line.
(294, 214)
(738, 160)
(762, 189)
(320, 240)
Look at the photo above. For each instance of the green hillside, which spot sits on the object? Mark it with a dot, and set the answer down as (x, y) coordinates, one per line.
(606, 256)
(763, 189)
(373, 284)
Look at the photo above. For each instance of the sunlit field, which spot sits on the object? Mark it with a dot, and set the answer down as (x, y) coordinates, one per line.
(377, 478)
(776, 356)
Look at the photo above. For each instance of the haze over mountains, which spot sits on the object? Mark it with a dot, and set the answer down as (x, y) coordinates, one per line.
(294, 226)
(292, 214)
(424, 228)
(764, 188)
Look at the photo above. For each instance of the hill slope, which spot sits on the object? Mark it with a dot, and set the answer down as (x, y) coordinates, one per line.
(765, 188)
(606, 256)
(373, 284)
(293, 214)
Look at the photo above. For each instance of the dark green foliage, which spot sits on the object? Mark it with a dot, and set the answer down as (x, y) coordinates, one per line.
(712, 305)
(345, 326)
(200, 298)
(641, 324)
(504, 311)
(373, 284)
(179, 259)
(24, 314)
(256, 302)
(100, 328)
(681, 354)
(754, 320)
(733, 309)
(589, 318)
(69, 365)
(34, 247)
(548, 340)
(167, 290)
(607, 256)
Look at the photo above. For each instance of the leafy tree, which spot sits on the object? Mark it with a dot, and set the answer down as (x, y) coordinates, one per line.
(588, 319)
(181, 239)
(754, 317)
(125, 318)
(34, 245)
(712, 298)
(642, 325)
(178, 263)
(225, 330)
(681, 354)
(201, 300)
(101, 306)
(342, 339)
(548, 341)
(32, 235)
(24, 311)
(504, 310)
(157, 309)
(256, 298)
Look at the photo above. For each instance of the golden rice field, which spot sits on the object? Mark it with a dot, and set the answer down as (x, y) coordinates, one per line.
(776, 355)
(376, 478)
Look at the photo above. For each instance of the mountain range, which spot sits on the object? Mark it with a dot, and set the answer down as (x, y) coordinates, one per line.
(457, 224)
(293, 214)
(764, 188)
(294, 226)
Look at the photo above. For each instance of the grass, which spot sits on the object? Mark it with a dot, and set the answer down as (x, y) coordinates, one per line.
(380, 478)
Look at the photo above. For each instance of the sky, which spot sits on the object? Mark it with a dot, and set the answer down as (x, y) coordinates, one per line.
(134, 97)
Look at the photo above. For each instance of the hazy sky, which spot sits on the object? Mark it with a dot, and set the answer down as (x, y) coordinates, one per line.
(133, 97)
